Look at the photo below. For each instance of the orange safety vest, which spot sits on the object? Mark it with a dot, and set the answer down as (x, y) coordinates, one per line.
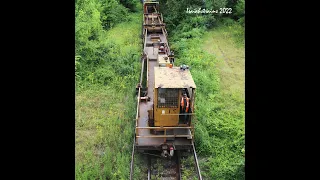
(183, 105)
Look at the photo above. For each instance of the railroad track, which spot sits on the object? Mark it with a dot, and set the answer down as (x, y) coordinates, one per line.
(172, 168)
(165, 169)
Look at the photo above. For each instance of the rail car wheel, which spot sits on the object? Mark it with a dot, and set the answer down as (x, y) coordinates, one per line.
(167, 150)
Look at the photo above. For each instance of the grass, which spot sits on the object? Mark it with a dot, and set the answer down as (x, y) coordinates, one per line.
(217, 65)
(227, 122)
(230, 57)
(105, 108)
(100, 147)
(105, 112)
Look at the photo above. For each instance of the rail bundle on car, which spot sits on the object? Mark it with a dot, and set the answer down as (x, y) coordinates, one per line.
(165, 95)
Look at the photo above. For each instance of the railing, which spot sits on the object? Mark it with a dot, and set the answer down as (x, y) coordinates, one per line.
(137, 112)
(165, 136)
(138, 98)
(145, 39)
(164, 32)
(142, 69)
(147, 72)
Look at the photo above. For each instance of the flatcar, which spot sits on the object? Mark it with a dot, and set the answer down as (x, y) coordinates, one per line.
(165, 94)
(160, 123)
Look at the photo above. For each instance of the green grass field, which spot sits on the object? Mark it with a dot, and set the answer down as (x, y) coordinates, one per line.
(227, 124)
(216, 61)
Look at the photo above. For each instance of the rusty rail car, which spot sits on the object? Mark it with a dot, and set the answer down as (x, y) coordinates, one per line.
(160, 124)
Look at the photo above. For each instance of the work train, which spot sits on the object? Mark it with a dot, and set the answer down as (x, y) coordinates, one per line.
(161, 123)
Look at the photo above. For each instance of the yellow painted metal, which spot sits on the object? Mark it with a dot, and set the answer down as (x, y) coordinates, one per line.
(163, 61)
(166, 116)
(166, 120)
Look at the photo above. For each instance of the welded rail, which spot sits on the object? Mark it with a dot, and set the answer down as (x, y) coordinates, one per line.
(178, 165)
(132, 159)
(136, 125)
(149, 166)
(196, 161)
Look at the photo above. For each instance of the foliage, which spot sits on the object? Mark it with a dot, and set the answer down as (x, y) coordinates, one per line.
(104, 134)
(107, 67)
(240, 11)
(175, 12)
(112, 13)
(219, 104)
(130, 4)
(93, 18)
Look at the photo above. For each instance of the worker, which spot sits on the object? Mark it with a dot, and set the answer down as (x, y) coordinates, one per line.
(184, 107)
(171, 55)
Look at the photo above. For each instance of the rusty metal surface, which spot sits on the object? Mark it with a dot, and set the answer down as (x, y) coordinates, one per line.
(151, 48)
(143, 119)
(162, 38)
(173, 78)
(144, 107)
(152, 53)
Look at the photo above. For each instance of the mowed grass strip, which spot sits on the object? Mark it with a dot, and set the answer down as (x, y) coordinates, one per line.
(227, 123)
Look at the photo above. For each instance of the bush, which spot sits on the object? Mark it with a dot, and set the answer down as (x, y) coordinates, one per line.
(219, 133)
(240, 9)
(227, 21)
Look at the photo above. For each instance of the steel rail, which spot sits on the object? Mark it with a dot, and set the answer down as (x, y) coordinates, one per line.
(132, 160)
(196, 161)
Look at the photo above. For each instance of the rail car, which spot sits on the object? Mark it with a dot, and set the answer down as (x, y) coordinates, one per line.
(161, 124)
